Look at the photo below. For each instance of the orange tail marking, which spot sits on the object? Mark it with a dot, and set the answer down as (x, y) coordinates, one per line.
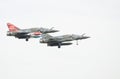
(12, 27)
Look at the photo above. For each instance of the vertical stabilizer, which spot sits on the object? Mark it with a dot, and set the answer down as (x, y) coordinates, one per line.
(12, 28)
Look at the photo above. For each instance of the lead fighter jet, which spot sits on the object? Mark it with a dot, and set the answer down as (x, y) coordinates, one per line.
(61, 40)
(27, 33)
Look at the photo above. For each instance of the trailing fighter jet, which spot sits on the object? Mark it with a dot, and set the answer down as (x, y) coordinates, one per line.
(27, 33)
(61, 40)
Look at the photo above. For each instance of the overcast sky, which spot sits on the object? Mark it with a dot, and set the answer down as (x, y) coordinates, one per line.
(95, 58)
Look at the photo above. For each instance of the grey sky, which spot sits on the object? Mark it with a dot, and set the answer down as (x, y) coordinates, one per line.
(94, 58)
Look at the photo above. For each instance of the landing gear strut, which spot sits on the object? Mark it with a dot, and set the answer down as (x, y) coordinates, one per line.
(59, 45)
(76, 42)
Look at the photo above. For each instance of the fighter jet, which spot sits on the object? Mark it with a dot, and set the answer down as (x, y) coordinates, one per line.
(61, 40)
(27, 33)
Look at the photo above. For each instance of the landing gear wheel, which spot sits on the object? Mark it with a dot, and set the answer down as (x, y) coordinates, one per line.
(26, 39)
(59, 45)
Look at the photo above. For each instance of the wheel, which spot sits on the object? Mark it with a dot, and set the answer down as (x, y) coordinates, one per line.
(59, 45)
(26, 39)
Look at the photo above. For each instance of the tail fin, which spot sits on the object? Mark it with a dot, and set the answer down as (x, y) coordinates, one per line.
(12, 28)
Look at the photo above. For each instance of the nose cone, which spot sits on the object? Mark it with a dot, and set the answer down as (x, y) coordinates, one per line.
(79, 37)
(85, 37)
(51, 31)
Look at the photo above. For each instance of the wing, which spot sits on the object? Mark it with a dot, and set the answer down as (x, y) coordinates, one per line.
(57, 42)
(60, 39)
(46, 30)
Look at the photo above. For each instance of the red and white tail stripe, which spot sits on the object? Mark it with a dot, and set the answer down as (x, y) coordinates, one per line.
(12, 28)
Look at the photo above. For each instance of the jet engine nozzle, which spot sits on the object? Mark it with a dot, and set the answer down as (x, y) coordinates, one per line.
(9, 33)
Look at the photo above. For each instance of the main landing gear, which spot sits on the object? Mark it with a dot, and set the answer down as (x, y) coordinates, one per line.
(59, 45)
(27, 39)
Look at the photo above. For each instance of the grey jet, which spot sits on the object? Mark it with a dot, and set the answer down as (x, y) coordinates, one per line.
(27, 33)
(61, 40)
